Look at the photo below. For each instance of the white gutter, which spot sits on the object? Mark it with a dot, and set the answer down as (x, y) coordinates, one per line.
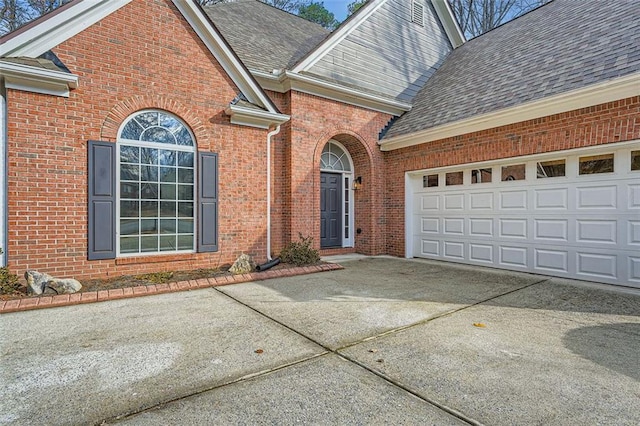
(269, 136)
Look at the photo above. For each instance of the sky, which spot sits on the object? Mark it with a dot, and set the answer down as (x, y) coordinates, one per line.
(337, 7)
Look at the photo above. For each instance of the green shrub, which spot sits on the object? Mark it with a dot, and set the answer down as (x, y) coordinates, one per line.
(9, 283)
(300, 253)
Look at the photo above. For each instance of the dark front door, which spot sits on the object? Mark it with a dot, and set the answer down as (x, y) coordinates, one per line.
(330, 210)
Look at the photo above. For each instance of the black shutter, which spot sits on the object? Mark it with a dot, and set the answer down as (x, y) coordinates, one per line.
(207, 202)
(102, 200)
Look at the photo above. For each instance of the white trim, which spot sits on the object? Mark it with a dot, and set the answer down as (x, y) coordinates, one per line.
(38, 80)
(449, 22)
(60, 27)
(596, 94)
(337, 36)
(288, 80)
(255, 118)
(223, 53)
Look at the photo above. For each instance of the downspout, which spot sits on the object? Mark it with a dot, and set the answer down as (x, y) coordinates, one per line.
(269, 136)
(3, 175)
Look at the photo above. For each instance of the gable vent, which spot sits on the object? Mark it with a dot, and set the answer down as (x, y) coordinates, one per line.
(417, 13)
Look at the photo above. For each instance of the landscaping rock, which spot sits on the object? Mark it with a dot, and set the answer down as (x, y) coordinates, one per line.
(243, 265)
(39, 283)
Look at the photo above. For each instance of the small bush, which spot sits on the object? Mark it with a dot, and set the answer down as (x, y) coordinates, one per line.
(9, 283)
(300, 253)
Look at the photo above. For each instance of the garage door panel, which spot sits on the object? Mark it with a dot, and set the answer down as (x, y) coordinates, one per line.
(454, 202)
(596, 197)
(596, 265)
(454, 249)
(551, 230)
(634, 197)
(554, 198)
(430, 225)
(453, 226)
(481, 201)
(513, 200)
(634, 233)
(481, 252)
(513, 228)
(430, 202)
(596, 231)
(634, 269)
(481, 227)
(551, 260)
(512, 256)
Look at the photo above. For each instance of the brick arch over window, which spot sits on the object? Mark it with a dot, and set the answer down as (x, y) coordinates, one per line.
(367, 163)
(124, 109)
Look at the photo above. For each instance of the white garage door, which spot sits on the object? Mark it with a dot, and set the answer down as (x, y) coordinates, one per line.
(574, 214)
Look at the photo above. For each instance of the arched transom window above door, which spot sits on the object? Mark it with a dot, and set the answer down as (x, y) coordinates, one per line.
(334, 158)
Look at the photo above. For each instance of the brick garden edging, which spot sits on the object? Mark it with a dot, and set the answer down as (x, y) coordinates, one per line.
(43, 302)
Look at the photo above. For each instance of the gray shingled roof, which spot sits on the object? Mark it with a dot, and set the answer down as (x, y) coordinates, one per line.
(265, 38)
(562, 46)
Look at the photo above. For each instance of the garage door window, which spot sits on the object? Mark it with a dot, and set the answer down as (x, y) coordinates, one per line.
(430, 181)
(512, 173)
(635, 160)
(454, 178)
(481, 176)
(596, 164)
(548, 169)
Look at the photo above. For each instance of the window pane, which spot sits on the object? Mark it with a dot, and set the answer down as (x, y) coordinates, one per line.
(481, 176)
(149, 173)
(149, 156)
(167, 158)
(185, 242)
(430, 181)
(596, 164)
(168, 243)
(129, 208)
(149, 208)
(129, 245)
(183, 137)
(147, 119)
(454, 178)
(167, 174)
(185, 175)
(129, 154)
(129, 172)
(168, 192)
(129, 190)
(185, 192)
(635, 160)
(185, 159)
(515, 172)
(149, 226)
(129, 227)
(148, 244)
(185, 226)
(547, 169)
(132, 130)
(149, 191)
(167, 226)
(169, 122)
(158, 134)
(167, 209)
(185, 209)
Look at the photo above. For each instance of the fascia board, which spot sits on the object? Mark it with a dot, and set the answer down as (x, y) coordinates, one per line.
(337, 36)
(612, 90)
(38, 80)
(223, 53)
(449, 22)
(58, 28)
(255, 118)
(288, 80)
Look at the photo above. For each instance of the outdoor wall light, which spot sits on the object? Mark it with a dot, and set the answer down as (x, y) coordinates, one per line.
(357, 183)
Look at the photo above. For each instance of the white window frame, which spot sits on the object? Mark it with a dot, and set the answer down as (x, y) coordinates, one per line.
(156, 145)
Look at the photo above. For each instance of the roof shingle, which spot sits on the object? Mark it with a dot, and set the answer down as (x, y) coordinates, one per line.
(562, 46)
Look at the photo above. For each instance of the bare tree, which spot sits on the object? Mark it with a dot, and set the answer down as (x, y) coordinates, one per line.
(15, 13)
(288, 5)
(479, 16)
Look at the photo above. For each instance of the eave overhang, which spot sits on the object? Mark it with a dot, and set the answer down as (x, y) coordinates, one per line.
(37, 80)
(608, 91)
(254, 117)
(287, 80)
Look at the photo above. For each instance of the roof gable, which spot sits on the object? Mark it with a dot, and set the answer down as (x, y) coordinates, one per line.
(556, 52)
(54, 28)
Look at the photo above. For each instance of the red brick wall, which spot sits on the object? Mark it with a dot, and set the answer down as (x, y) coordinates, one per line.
(126, 62)
(314, 122)
(607, 123)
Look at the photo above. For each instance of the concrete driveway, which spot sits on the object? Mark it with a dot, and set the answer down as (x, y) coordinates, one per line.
(384, 341)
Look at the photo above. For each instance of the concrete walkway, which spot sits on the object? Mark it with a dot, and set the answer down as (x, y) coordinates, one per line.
(384, 341)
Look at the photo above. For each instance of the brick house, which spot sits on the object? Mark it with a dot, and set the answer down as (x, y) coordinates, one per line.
(146, 135)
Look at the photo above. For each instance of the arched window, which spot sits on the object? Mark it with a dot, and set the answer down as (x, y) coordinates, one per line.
(156, 163)
(334, 158)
